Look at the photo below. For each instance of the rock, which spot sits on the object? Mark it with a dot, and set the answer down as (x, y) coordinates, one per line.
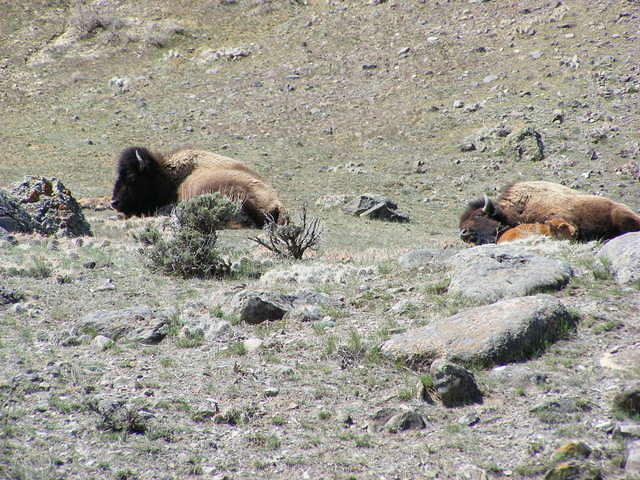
(101, 342)
(632, 463)
(574, 470)
(572, 450)
(489, 272)
(409, 420)
(394, 420)
(205, 327)
(138, 324)
(120, 414)
(467, 147)
(490, 78)
(13, 217)
(506, 331)
(265, 306)
(305, 313)
(623, 357)
(628, 402)
(458, 104)
(455, 385)
(622, 256)
(626, 431)
(252, 344)
(52, 208)
(526, 145)
(375, 206)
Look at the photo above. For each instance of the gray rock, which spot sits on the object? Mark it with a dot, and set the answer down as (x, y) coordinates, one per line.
(13, 217)
(632, 463)
(375, 206)
(622, 254)
(526, 145)
(305, 313)
(455, 385)
(560, 410)
(101, 342)
(52, 208)
(257, 307)
(489, 272)
(139, 324)
(9, 296)
(120, 414)
(205, 327)
(506, 331)
(409, 420)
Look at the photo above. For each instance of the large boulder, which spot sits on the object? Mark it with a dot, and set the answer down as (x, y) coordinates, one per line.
(506, 331)
(375, 206)
(622, 256)
(490, 272)
(52, 208)
(13, 217)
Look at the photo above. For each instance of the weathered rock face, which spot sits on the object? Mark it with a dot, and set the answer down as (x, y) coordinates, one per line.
(490, 272)
(13, 218)
(455, 385)
(509, 330)
(375, 206)
(138, 324)
(52, 208)
(622, 254)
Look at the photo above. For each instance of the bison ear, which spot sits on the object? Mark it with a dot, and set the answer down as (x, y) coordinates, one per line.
(489, 208)
(142, 162)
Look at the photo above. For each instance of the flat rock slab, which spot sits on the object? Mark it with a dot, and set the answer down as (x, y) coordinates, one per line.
(490, 272)
(506, 331)
(422, 258)
(623, 257)
(140, 324)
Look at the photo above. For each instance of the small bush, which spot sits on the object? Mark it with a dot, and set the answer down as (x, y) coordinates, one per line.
(291, 240)
(190, 249)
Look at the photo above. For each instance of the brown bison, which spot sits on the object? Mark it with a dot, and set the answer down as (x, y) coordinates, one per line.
(147, 181)
(554, 228)
(592, 217)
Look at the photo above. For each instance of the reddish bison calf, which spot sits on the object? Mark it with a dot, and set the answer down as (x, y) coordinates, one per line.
(591, 217)
(554, 228)
(147, 181)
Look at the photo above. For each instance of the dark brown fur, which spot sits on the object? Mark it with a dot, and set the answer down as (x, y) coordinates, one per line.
(593, 217)
(147, 181)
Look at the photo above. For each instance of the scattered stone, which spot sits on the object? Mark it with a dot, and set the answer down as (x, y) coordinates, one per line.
(454, 385)
(622, 255)
(628, 402)
(13, 217)
(205, 327)
(572, 450)
(458, 104)
(627, 431)
(490, 78)
(139, 324)
(252, 344)
(506, 331)
(394, 420)
(375, 206)
(467, 147)
(490, 272)
(52, 208)
(622, 358)
(101, 342)
(526, 145)
(574, 470)
(305, 313)
(258, 307)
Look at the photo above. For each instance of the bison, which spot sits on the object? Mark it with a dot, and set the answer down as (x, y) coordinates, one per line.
(592, 217)
(147, 181)
(554, 228)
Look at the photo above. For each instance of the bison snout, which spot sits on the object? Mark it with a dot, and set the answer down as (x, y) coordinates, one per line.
(467, 235)
(114, 204)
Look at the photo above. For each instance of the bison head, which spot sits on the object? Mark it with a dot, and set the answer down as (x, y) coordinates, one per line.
(141, 185)
(482, 222)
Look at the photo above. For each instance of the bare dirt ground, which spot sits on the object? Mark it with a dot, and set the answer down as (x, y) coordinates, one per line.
(324, 98)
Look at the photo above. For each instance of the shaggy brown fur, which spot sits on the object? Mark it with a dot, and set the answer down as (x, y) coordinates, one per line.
(592, 217)
(554, 228)
(147, 181)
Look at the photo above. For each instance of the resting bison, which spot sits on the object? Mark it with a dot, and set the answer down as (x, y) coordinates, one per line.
(147, 181)
(593, 217)
(554, 228)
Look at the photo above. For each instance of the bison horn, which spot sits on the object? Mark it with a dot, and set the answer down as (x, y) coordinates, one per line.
(488, 206)
(140, 160)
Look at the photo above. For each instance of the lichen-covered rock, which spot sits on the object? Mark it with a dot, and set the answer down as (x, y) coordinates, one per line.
(455, 385)
(508, 330)
(375, 206)
(526, 144)
(13, 217)
(52, 208)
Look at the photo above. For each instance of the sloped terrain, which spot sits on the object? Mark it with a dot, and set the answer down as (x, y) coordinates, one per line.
(419, 101)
